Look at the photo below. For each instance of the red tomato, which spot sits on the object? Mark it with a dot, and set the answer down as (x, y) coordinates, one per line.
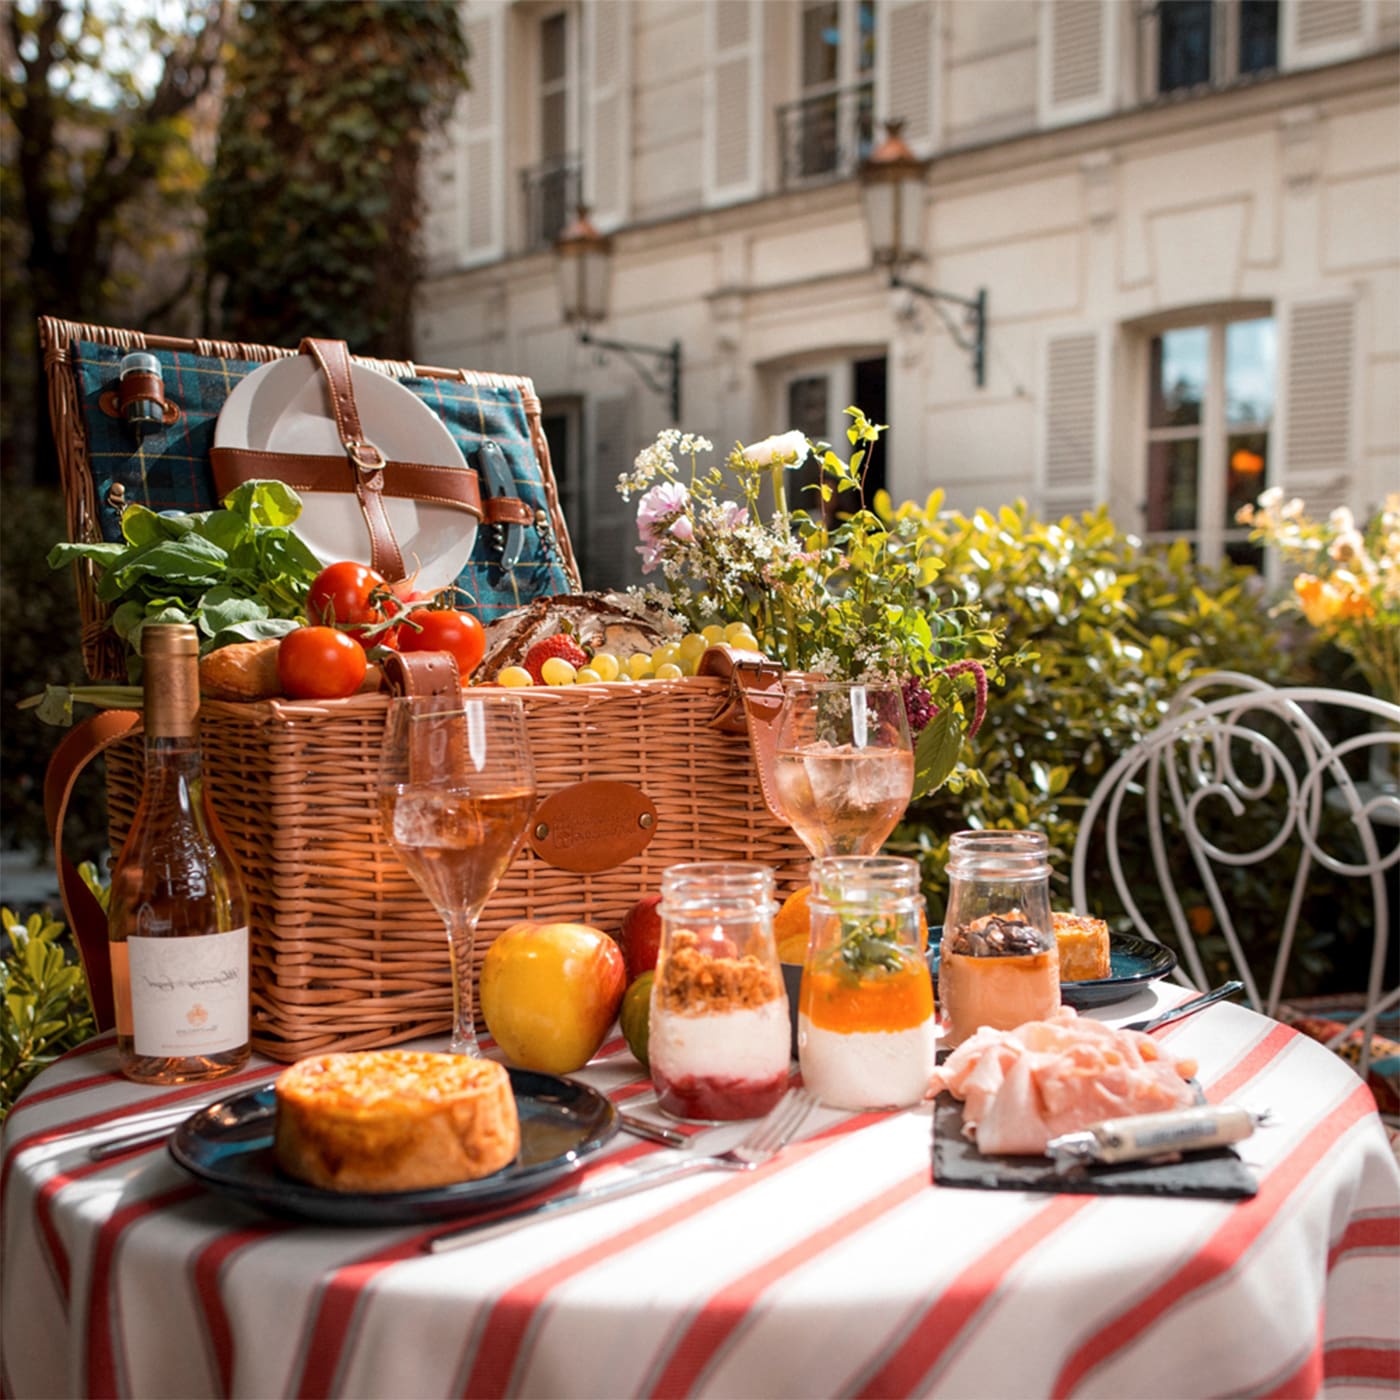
(346, 593)
(442, 629)
(319, 663)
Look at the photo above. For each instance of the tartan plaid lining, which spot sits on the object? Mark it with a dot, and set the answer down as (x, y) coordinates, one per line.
(168, 469)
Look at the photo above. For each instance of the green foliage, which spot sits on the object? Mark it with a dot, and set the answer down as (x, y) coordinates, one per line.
(313, 206)
(44, 1006)
(237, 574)
(1104, 631)
(39, 622)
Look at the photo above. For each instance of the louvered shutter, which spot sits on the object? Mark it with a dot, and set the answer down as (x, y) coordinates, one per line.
(442, 186)
(482, 135)
(907, 68)
(612, 560)
(1071, 477)
(1317, 407)
(1078, 59)
(733, 110)
(607, 127)
(1325, 31)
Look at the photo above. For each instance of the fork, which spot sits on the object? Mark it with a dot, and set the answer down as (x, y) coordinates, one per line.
(762, 1144)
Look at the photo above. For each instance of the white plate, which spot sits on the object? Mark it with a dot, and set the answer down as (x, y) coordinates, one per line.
(284, 407)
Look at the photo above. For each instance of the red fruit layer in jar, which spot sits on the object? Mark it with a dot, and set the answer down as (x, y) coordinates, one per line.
(721, 1099)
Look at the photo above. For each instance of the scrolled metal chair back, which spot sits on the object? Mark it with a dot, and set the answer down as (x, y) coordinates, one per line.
(1254, 776)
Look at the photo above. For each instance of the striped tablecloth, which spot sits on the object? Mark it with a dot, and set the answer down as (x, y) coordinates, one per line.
(836, 1270)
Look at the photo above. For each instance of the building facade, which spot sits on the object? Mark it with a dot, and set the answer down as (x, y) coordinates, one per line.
(1185, 218)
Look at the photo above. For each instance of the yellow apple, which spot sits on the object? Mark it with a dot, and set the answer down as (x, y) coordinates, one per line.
(549, 993)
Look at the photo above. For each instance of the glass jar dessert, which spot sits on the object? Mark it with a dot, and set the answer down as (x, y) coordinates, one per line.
(719, 1038)
(999, 965)
(866, 1028)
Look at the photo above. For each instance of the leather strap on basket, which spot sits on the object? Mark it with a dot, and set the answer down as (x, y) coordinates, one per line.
(436, 736)
(752, 706)
(365, 458)
(87, 920)
(421, 673)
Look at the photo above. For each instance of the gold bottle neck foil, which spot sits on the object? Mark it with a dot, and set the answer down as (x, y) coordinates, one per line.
(170, 657)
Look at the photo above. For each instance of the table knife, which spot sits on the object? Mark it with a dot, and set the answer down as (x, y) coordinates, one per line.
(500, 483)
(1187, 1008)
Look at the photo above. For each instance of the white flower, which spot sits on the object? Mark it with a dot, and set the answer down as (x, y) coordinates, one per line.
(1342, 520)
(790, 449)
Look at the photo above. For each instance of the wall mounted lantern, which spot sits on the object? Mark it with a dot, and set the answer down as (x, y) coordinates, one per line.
(583, 261)
(892, 189)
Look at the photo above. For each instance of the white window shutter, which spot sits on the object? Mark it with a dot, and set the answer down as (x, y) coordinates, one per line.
(482, 136)
(1325, 31)
(907, 67)
(1315, 454)
(733, 100)
(1078, 59)
(442, 185)
(607, 125)
(1071, 476)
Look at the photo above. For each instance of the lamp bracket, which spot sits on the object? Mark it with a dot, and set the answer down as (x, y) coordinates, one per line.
(663, 379)
(972, 336)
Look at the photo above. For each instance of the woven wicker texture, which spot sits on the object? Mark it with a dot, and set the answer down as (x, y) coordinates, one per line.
(168, 469)
(347, 953)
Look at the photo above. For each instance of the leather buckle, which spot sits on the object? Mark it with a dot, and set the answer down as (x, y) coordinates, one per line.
(358, 453)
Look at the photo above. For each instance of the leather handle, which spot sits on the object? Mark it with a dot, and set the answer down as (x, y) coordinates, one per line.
(753, 705)
(366, 460)
(87, 920)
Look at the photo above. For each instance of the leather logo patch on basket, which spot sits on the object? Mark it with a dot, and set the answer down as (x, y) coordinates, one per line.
(593, 826)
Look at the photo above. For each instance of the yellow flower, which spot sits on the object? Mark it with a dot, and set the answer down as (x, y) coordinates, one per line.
(1313, 599)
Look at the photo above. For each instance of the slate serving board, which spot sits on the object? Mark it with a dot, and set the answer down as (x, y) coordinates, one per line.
(1219, 1174)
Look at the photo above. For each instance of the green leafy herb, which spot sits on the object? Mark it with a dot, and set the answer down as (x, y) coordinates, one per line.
(238, 573)
(869, 944)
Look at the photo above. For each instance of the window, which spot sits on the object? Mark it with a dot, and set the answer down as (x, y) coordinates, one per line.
(1195, 43)
(815, 398)
(1210, 397)
(828, 131)
(550, 188)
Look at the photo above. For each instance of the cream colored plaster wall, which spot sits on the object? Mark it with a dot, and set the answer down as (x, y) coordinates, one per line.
(1285, 190)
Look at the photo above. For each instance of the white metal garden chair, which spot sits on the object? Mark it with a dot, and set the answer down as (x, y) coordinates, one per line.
(1243, 774)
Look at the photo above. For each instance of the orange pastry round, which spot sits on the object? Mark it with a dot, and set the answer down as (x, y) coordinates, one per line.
(394, 1120)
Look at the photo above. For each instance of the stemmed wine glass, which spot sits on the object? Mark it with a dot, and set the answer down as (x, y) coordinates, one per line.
(456, 790)
(844, 765)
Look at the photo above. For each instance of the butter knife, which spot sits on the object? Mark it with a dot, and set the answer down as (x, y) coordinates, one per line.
(1187, 1008)
(510, 539)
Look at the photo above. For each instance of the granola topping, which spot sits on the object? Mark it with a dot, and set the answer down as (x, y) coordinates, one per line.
(1007, 935)
(691, 983)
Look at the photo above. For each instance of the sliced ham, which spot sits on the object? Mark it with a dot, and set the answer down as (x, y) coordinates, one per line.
(1021, 1088)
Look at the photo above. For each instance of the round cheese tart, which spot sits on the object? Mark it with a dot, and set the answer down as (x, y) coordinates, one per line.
(394, 1120)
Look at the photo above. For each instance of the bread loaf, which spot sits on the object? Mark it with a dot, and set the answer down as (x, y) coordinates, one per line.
(394, 1120)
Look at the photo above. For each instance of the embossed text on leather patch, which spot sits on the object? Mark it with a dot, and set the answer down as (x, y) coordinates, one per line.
(588, 827)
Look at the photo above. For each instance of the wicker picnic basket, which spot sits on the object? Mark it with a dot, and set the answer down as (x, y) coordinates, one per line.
(346, 950)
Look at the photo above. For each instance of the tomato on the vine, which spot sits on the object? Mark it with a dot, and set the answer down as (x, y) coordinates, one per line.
(320, 663)
(442, 629)
(347, 595)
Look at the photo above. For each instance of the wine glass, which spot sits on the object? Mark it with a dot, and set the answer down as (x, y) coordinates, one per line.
(844, 766)
(456, 790)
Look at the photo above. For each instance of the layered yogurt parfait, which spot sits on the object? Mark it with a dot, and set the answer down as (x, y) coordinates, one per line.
(720, 1033)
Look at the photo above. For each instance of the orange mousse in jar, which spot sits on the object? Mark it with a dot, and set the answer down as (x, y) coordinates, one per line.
(999, 971)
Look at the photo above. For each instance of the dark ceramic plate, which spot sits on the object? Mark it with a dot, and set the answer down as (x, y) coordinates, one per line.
(1133, 962)
(228, 1147)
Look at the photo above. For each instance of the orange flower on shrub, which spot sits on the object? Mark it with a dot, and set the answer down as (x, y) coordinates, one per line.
(1349, 586)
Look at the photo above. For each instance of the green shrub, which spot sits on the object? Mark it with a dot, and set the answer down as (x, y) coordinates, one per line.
(1107, 631)
(44, 1006)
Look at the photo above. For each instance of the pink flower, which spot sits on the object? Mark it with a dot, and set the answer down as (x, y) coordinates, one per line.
(732, 514)
(662, 512)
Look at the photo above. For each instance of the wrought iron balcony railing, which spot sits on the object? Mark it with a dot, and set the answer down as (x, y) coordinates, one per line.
(825, 137)
(550, 192)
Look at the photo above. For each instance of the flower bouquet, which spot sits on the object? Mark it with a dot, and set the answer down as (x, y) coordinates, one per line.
(1348, 587)
(843, 589)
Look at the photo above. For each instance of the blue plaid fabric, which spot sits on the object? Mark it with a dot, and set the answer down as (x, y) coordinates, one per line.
(168, 469)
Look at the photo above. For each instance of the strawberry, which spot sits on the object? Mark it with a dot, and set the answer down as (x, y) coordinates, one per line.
(558, 645)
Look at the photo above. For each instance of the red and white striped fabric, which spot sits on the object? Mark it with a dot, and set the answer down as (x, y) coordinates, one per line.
(836, 1270)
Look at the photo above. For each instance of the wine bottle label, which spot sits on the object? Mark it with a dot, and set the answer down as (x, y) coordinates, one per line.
(189, 996)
